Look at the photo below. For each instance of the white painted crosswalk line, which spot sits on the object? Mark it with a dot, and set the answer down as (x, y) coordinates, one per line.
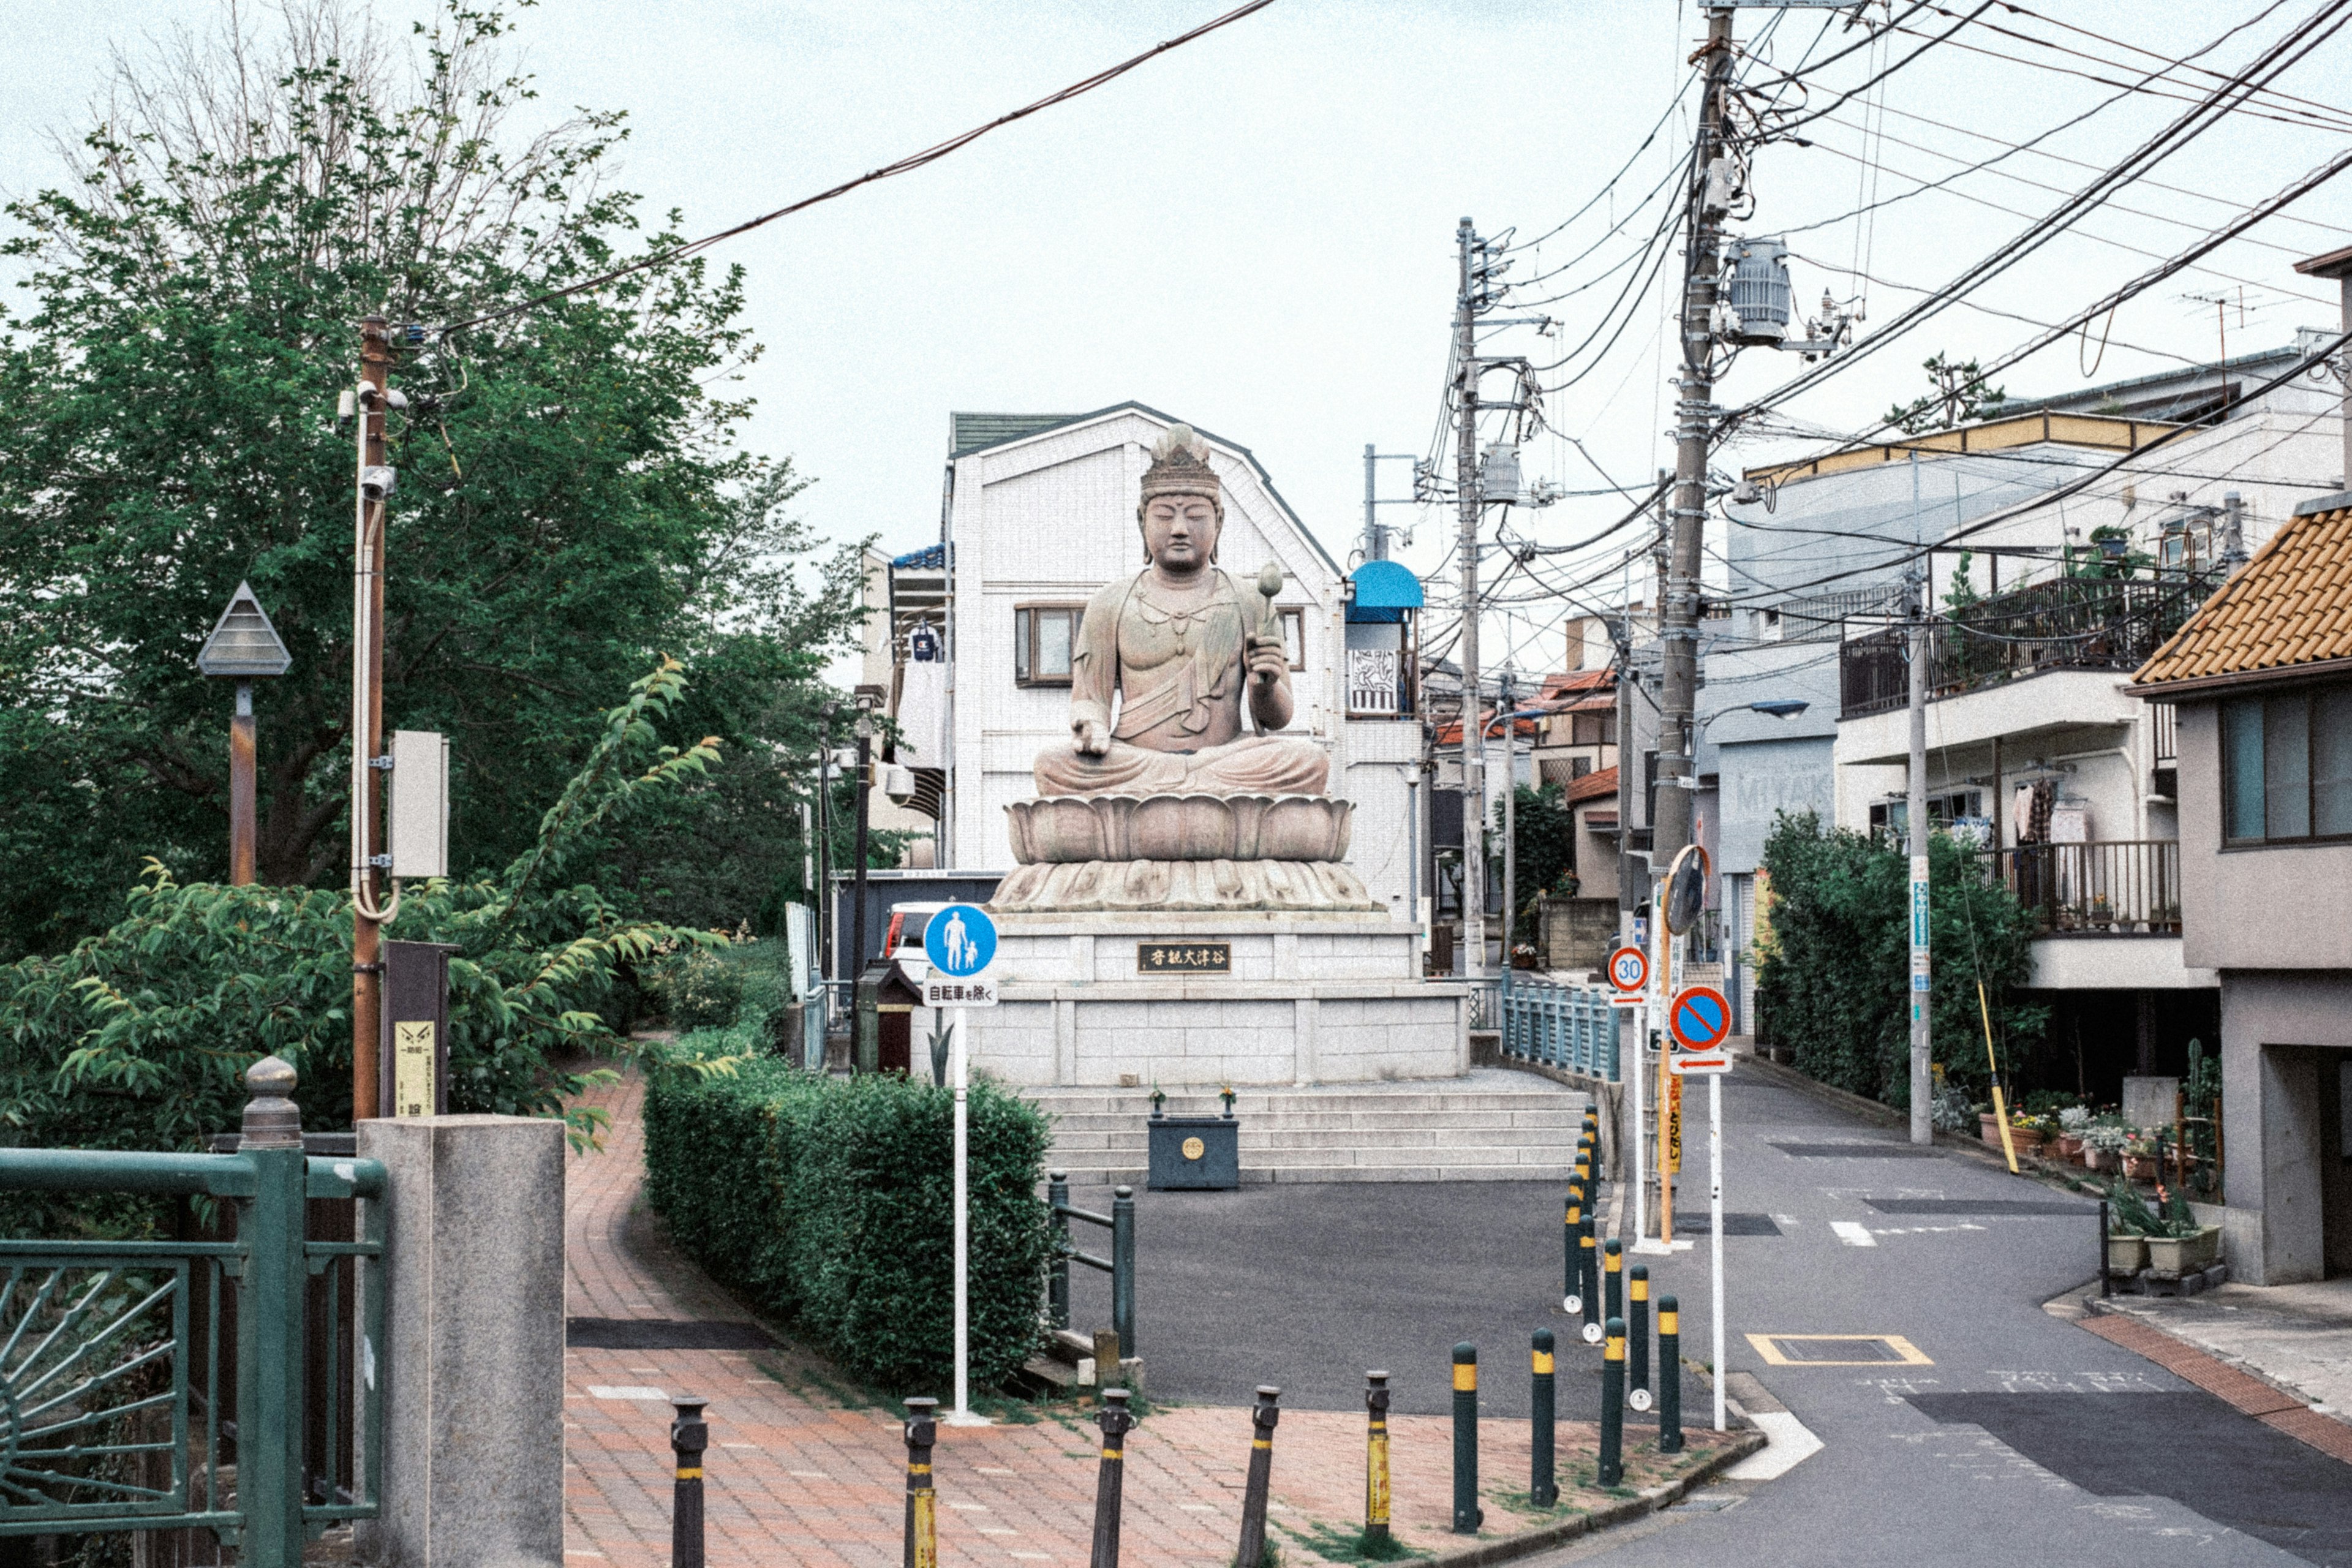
(1852, 1232)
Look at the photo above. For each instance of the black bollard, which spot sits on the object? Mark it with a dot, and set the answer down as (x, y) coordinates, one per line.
(1466, 1513)
(1611, 1468)
(1261, 1474)
(1587, 1261)
(1571, 1266)
(1612, 1279)
(689, 1435)
(922, 1549)
(1637, 1336)
(1057, 1271)
(1122, 1276)
(1117, 1421)
(1670, 1376)
(1543, 1477)
(1376, 1459)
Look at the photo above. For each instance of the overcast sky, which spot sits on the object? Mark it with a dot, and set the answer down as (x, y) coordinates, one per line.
(1256, 233)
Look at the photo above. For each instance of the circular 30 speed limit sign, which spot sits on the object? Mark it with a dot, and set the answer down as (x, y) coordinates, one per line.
(1629, 969)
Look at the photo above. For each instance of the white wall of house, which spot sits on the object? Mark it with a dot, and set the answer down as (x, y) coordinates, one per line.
(1048, 519)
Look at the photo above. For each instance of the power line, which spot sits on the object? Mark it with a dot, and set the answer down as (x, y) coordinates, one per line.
(907, 165)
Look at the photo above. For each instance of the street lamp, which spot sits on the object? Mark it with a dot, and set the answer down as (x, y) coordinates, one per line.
(869, 698)
(1771, 707)
(243, 647)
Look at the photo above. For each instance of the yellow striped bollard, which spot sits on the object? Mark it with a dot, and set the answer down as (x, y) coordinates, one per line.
(1117, 1421)
(922, 1550)
(689, 1435)
(1376, 1460)
(1611, 1471)
(1261, 1476)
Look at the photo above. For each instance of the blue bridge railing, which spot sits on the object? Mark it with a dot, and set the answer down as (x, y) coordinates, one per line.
(1567, 1026)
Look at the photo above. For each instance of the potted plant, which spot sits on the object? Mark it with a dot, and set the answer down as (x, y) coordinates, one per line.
(2027, 1133)
(1989, 1128)
(2129, 1223)
(2072, 1122)
(2104, 1138)
(2139, 1157)
(2185, 1247)
(2102, 913)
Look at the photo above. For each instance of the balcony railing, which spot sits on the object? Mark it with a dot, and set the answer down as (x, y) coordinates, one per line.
(2070, 623)
(2125, 886)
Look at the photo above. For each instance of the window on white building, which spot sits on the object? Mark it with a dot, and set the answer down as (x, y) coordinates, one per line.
(1043, 636)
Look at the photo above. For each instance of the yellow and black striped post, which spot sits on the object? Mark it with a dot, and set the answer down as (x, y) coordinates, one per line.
(1376, 1459)
(1612, 1283)
(1117, 1421)
(1571, 1266)
(1670, 1376)
(1261, 1476)
(689, 1435)
(1466, 1513)
(1637, 1336)
(922, 1497)
(1543, 1475)
(1588, 1292)
(1611, 1470)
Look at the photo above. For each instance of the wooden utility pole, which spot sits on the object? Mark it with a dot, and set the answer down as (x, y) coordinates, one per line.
(241, 749)
(367, 718)
(1466, 498)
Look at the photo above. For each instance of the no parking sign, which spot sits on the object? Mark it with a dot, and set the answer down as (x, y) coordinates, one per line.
(1699, 1020)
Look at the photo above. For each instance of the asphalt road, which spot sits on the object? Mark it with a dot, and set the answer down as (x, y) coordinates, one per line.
(2009, 1436)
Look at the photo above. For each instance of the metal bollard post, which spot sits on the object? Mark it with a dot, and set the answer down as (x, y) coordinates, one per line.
(1261, 1474)
(1117, 1422)
(1613, 1281)
(922, 1498)
(1543, 1476)
(1122, 1276)
(689, 1435)
(1467, 1515)
(2106, 1281)
(1637, 1337)
(1589, 1263)
(1057, 1274)
(1670, 1376)
(1571, 1264)
(1611, 1470)
(1376, 1459)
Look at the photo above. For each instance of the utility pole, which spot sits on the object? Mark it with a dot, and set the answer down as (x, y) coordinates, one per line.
(368, 913)
(1375, 542)
(1510, 821)
(1694, 410)
(1923, 1127)
(1467, 495)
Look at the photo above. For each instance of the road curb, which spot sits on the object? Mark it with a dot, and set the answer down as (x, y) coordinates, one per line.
(1624, 1510)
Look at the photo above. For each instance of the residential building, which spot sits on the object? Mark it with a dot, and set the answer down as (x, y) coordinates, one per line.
(2035, 745)
(2260, 681)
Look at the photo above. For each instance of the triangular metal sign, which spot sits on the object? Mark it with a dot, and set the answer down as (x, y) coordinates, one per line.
(244, 644)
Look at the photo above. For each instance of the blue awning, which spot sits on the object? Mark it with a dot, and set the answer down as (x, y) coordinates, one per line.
(1385, 591)
(932, 557)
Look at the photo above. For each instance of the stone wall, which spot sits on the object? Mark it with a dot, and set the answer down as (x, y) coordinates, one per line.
(1578, 933)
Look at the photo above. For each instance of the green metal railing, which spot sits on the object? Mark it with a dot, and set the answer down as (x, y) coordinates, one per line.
(113, 1415)
(1567, 1026)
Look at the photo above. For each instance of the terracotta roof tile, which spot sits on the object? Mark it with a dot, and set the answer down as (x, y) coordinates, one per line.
(2291, 604)
(1601, 781)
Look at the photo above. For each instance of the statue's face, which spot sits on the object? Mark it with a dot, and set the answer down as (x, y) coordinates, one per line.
(1180, 532)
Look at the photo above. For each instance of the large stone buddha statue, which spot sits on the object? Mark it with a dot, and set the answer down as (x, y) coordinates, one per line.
(1163, 798)
(1177, 653)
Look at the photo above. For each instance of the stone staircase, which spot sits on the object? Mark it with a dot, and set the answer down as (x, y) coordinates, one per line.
(1491, 1125)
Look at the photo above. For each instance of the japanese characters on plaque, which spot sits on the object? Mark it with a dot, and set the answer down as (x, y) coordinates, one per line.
(1184, 958)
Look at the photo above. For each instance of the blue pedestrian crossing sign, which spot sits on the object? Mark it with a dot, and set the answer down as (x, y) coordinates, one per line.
(960, 942)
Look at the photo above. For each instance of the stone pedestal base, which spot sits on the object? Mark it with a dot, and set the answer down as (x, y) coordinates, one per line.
(1140, 885)
(1328, 998)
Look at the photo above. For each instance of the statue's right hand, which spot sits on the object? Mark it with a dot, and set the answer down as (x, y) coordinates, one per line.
(1093, 736)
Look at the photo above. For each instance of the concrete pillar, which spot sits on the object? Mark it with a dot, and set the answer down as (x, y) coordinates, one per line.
(472, 1439)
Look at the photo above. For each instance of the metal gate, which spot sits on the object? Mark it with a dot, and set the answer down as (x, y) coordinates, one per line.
(114, 1414)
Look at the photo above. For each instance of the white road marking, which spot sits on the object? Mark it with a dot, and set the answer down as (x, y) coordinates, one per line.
(625, 1390)
(1852, 1232)
(1789, 1445)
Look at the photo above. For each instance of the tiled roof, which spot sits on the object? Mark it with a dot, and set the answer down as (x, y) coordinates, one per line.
(2290, 605)
(1601, 782)
(970, 432)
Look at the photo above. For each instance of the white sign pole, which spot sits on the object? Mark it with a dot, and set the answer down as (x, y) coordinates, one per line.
(1715, 1230)
(958, 1069)
(1640, 1070)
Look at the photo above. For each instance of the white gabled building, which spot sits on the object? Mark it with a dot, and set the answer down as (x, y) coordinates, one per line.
(1039, 512)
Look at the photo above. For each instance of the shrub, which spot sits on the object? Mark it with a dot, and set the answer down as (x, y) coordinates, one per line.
(1832, 974)
(828, 1203)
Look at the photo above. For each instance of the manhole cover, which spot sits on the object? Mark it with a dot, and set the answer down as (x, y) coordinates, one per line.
(1837, 1350)
(1733, 1224)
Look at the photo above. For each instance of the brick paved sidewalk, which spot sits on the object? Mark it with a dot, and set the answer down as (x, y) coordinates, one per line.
(802, 1471)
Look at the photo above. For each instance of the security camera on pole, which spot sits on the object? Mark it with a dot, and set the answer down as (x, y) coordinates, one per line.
(959, 940)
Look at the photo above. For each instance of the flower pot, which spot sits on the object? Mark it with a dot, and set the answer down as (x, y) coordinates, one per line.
(2070, 1147)
(2126, 1254)
(1989, 1128)
(2027, 1140)
(2178, 1255)
(2139, 1167)
(2098, 1159)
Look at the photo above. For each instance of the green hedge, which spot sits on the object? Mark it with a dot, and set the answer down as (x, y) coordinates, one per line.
(829, 1201)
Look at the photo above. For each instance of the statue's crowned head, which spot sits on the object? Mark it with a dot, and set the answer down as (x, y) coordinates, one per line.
(1182, 509)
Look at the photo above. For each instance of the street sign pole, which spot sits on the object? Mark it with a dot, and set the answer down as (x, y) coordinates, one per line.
(959, 1058)
(1715, 1230)
(959, 943)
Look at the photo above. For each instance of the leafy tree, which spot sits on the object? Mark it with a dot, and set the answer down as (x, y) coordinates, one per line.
(1959, 397)
(138, 1038)
(1832, 971)
(573, 502)
(1546, 850)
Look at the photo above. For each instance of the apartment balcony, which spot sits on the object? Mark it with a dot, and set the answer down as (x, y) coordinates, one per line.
(2112, 888)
